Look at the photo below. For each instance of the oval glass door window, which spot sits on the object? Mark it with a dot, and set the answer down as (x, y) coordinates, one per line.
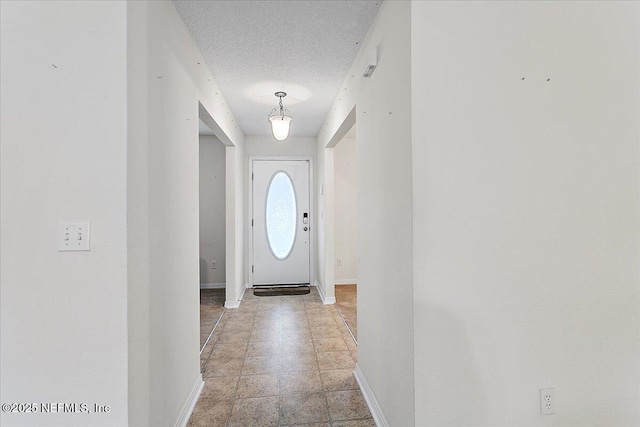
(281, 215)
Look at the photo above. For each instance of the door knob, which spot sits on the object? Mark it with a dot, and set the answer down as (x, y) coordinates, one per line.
(305, 229)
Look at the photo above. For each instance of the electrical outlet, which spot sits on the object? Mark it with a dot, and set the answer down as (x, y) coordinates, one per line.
(547, 401)
(214, 264)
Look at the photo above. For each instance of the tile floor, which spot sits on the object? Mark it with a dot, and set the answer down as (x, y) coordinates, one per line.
(211, 308)
(281, 361)
(347, 305)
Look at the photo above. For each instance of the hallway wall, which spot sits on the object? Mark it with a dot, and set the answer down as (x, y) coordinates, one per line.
(325, 234)
(384, 230)
(212, 210)
(346, 208)
(167, 79)
(268, 146)
(63, 159)
(526, 212)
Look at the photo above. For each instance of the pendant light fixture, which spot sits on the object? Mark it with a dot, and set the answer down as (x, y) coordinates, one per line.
(280, 120)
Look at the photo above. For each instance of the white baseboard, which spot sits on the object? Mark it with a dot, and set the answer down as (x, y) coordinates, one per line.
(213, 285)
(346, 282)
(372, 403)
(190, 405)
(231, 304)
(325, 300)
(236, 304)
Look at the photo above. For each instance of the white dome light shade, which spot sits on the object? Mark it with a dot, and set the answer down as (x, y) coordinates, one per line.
(280, 126)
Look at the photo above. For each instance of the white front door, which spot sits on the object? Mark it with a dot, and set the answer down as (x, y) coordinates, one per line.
(281, 222)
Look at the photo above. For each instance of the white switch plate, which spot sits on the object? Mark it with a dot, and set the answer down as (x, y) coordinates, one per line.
(73, 236)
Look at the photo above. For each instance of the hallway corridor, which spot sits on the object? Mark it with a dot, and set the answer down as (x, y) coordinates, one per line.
(281, 361)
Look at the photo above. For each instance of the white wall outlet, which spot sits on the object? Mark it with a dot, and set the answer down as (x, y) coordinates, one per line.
(214, 264)
(73, 236)
(339, 262)
(547, 401)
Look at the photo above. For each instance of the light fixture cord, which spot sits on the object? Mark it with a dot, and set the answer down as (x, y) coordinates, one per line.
(281, 108)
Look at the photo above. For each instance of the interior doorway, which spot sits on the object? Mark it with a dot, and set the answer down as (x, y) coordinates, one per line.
(212, 224)
(345, 215)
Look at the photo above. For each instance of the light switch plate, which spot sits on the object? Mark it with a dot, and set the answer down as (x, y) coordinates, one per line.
(73, 236)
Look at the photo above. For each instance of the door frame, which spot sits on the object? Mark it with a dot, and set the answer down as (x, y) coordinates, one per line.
(312, 213)
(328, 294)
(234, 285)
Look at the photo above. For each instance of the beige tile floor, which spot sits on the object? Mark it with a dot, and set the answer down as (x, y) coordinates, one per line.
(347, 306)
(280, 361)
(211, 308)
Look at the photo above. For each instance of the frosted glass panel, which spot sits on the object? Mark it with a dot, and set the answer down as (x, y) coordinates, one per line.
(281, 215)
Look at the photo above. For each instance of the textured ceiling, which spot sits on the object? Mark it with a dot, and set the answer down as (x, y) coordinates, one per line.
(255, 48)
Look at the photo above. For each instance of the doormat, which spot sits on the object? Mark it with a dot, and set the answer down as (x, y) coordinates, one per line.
(278, 291)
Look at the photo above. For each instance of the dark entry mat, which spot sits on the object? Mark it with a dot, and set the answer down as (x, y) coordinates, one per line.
(278, 291)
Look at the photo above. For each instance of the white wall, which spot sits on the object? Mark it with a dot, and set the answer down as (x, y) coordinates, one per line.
(212, 210)
(63, 159)
(325, 230)
(384, 231)
(268, 146)
(235, 217)
(345, 211)
(526, 212)
(167, 79)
